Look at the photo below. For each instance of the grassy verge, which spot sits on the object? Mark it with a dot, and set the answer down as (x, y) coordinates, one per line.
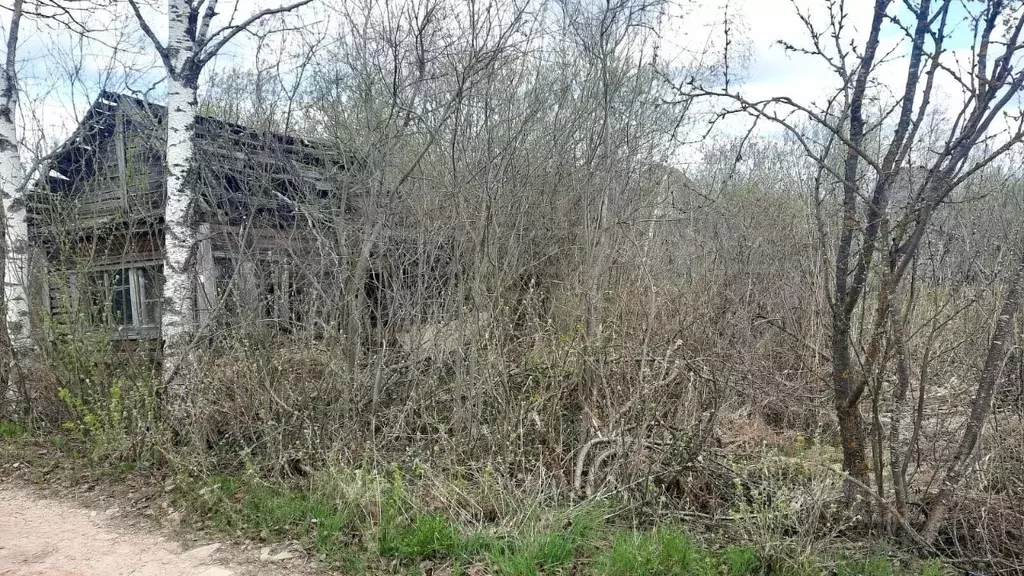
(368, 524)
(390, 522)
(10, 430)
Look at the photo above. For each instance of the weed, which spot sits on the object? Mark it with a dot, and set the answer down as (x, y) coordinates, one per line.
(800, 567)
(116, 423)
(663, 551)
(539, 553)
(11, 430)
(239, 505)
(481, 546)
(932, 567)
(549, 551)
(872, 566)
(739, 560)
(425, 538)
(272, 511)
(329, 516)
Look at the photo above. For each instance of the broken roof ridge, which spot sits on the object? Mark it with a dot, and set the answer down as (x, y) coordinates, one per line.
(112, 98)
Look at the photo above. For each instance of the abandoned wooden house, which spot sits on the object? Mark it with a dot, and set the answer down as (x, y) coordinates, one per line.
(264, 204)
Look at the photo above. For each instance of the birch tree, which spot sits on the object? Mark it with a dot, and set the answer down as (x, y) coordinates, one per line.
(12, 178)
(15, 176)
(191, 43)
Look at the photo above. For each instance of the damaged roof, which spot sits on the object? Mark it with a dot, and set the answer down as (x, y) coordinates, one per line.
(237, 167)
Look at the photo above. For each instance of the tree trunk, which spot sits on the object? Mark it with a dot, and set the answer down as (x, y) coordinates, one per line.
(851, 426)
(998, 347)
(899, 403)
(12, 177)
(847, 385)
(851, 431)
(356, 305)
(177, 321)
(14, 244)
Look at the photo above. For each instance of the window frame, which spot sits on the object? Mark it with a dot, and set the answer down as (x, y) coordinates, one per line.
(141, 325)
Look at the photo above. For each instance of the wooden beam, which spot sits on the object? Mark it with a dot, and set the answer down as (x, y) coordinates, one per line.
(122, 161)
(206, 276)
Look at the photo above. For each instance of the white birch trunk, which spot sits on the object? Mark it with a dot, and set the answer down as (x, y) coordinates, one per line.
(177, 320)
(12, 177)
(188, 49)
(12, 188)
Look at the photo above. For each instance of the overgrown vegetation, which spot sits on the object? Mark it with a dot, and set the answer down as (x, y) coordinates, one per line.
(364, 523)
(413, 519)
(489, 321)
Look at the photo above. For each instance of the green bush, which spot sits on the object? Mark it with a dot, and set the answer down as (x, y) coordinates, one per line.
(120, 423)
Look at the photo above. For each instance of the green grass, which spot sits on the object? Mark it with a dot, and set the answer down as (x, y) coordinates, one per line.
(872, 566)
(332, 521)
(664, 551)
(11, 430)
(361, 522)
(932, 567)
(740, 560)
(271, 512)
(428, 537)
(541, 553)
(550, 551)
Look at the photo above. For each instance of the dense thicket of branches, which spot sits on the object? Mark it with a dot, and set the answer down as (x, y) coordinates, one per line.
(529, 267)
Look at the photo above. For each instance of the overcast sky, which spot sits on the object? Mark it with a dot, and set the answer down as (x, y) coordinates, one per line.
(50, 57)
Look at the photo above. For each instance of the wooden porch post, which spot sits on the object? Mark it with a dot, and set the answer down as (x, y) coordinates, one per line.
(206, 277)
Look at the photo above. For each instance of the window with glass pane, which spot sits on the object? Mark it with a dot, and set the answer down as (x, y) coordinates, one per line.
(128, 297)
(121, 297)
(96, 300)
(150, 289)
(226, 293)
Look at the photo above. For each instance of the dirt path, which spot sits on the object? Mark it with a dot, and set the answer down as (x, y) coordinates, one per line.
(40, 537)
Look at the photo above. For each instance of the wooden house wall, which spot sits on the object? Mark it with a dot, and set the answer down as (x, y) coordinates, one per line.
(128, 181)
(107, 211)
(287, 279)
(125, 249)
(123, 180)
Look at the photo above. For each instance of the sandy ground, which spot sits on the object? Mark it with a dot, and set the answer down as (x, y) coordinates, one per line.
(40, 537)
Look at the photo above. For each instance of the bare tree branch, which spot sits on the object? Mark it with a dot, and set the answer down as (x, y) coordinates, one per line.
(161, 50)
(206, 50)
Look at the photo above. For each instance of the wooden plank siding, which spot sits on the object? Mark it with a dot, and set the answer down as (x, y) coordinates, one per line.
(101, 205)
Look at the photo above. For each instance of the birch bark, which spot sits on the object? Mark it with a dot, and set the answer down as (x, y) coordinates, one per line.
(191, 44)
(14, 244)
(178, 312)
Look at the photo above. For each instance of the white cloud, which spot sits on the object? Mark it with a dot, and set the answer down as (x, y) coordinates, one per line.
(117, 55)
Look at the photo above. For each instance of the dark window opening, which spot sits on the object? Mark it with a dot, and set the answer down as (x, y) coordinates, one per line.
(124, 297)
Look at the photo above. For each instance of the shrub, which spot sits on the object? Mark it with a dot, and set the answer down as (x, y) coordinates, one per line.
(11, 430)
(119, 423)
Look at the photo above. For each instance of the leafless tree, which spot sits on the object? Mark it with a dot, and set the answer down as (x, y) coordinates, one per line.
(15, 177)
(192, 42)
(12, 178)
(871, 171)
